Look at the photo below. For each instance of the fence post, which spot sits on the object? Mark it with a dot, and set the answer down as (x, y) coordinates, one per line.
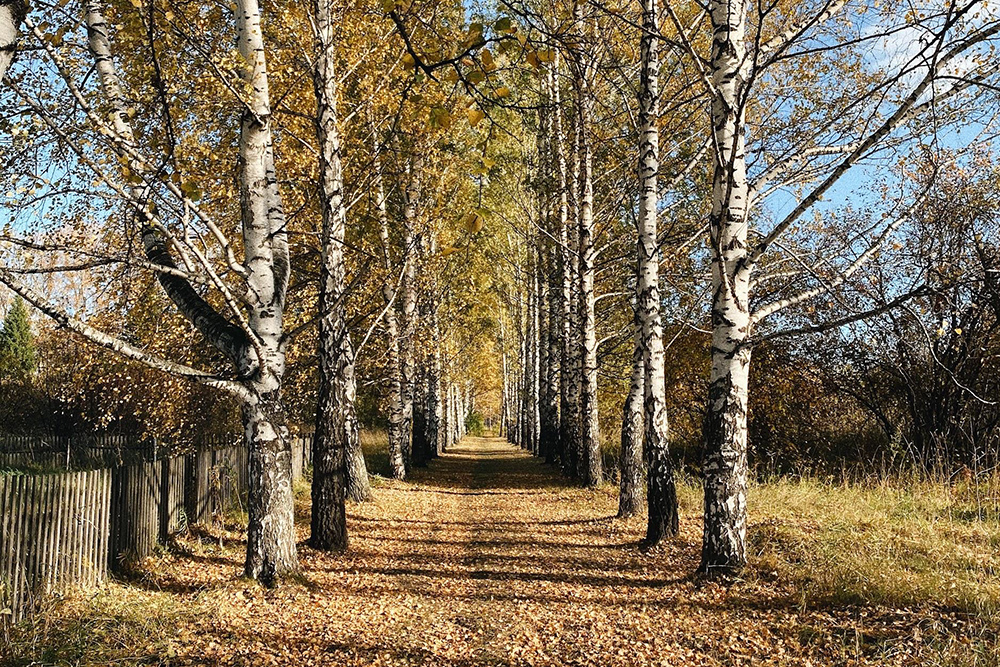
(163, 502)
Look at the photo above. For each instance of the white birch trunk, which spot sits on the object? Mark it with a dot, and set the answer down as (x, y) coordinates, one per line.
(554, 345)
(456, 415)
(410, 294)
(661, 495)
(525, 379)
(452, 416)
(397, 412)
(467, 400)
(568, 267)
(338, 465)
(12, 13)
(534, 402)
(590, 437)
(504, 427)
(433, 359)
(539, 286)
(553, 284)
(631, 489)
(543, 353)
(574, 380)
(725, 430)
(271, 549)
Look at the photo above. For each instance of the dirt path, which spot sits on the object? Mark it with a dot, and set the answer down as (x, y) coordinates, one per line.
(487, 557)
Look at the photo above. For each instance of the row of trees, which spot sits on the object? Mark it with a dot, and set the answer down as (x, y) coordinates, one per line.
(787, 108)
(578, 218)
(128, 182)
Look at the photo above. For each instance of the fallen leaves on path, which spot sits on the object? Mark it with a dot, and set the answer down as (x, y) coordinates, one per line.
(488, 557)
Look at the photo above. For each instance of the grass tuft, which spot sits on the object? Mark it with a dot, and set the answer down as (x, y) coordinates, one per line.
(893, 544)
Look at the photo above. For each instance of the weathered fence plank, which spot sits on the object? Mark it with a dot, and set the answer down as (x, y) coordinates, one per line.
(65, 530)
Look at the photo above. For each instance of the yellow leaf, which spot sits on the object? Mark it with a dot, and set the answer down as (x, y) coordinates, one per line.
(475, 115)
(487, 58)
(440, 117)
(473, 222)
(503, 91)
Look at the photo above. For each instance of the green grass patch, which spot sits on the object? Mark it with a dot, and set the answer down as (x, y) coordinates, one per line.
(375, 446)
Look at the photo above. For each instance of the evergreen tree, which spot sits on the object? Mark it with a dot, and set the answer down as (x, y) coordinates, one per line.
(18, 358)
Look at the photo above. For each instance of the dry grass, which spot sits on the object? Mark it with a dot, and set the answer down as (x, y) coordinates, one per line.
(901, 544)
(489, 558)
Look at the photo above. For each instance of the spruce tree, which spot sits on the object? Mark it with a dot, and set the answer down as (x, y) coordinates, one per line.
(18, 358)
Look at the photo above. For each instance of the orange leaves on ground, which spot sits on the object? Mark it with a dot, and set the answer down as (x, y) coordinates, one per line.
(487, 557)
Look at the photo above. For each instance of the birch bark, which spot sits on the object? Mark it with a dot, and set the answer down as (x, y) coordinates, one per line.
(590, 437)
(661, 495)
(453, 435)
(12, 13)
(452, 416)
(335, 445)
(433, 359)
(537, 340)
(419, 446)
(553, 284)
(397, 412)
(568, 268)
(271, 549)
(543, 353)
(257, 352)
(534, 402)
(631, 490)
(459, 417)
(539, 285)
(525, 367)
(725, 430)
(410, 294)
(575, 380)
(504, 426)
(554, 346)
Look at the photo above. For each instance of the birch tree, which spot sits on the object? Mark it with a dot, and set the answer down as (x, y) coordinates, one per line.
(661, 494)
(432, 358)
(12, 13)
(631, 489)
(410, 297)
(247, 328)
(590, 464)
(864, 120)
(568, 265)
(397, 411)
(336, 433)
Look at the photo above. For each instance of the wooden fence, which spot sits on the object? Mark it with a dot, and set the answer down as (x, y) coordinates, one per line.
(51, 453)
(67, 530)
(54, 531)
